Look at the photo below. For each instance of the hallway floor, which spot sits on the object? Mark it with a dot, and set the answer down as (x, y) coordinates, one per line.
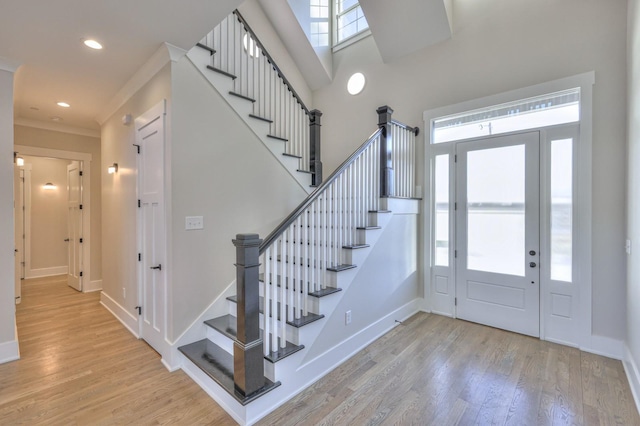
(80, 366)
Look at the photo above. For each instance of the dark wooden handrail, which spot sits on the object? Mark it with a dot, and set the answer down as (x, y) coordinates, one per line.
(415, 130)
(315, 194)
(271, 61)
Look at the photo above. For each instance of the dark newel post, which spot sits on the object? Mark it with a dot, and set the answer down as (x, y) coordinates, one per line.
(315, 162)
(248, 362)
(386, 167)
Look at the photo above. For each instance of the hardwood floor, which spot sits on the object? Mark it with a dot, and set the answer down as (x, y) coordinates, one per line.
(80, 366)
(434, 370)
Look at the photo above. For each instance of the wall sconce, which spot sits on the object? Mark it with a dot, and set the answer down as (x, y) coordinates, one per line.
(113, 168)
(49, 185)
(18, 160)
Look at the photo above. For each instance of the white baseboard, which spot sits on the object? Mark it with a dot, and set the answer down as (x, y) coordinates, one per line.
(128, 320)
(605, 346)
(9, 351)
(633, 376)
(91, 286)
(46, 272)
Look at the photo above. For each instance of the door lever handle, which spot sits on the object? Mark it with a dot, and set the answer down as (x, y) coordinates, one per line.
(66, 240)
(532, 264)
(159, 267)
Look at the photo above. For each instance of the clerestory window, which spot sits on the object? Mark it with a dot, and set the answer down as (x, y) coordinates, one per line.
(350, 20)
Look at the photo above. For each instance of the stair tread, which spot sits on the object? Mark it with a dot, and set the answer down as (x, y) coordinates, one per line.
(286, 154)
(241, 96)
(219, 71)
(227, 325)
(343, 267)
(356, 246)
(218, 364)
(261, 118)
(320, 293)
(205, 47)
(278, 138)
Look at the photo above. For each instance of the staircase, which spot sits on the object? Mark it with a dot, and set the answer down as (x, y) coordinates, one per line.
(255, 357)
(237, 65)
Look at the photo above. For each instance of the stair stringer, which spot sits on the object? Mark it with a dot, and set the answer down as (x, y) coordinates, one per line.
(223, 85)
(296, 372)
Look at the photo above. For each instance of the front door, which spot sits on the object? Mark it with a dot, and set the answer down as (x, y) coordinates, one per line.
(151, 236)
(74, 225)
(497, 232)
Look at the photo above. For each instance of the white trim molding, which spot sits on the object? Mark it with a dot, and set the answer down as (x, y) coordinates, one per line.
(91, 286)
(9, 351)
(633, 375)
(127, 319)
(165, 54)
(56, 127)
(46, 272)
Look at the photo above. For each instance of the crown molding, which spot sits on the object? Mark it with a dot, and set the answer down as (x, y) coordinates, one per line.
(166, 53)
(7, 64)
(63, 128)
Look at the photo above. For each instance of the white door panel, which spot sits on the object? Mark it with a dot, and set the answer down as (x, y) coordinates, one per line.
(74, 225)
(151, 233)
(497, 229)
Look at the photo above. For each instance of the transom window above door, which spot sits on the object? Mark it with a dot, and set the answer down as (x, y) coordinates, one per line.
(537, 112)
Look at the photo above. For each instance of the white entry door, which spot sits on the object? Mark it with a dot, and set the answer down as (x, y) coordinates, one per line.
(18, 214)
(497, 232)
(151, 226)
(74, 225)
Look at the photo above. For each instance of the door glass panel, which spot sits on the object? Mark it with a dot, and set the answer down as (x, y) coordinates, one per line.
(561, 209)
(495, 210)
(441, 189)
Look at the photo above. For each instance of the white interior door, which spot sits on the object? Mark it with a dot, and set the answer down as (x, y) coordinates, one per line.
(18, 214)
(497, 232)
(152, 243)
(74, 225)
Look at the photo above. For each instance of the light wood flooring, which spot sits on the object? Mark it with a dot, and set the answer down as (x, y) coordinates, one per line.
(435, 370)
(80, 366)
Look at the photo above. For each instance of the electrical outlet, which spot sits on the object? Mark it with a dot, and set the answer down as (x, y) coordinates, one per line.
(347, 318)
(627, 246)
(193, 222)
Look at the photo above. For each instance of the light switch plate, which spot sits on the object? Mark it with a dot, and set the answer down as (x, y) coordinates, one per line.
(193, 222)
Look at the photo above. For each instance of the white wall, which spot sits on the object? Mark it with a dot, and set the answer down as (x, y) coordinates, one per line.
(222, 171)
(633, 191)
(8, 338)
(48, 213)
(63, 141)
(119, 205)
(499, 46)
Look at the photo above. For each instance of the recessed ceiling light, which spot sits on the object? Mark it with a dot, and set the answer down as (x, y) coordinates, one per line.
(93, 44)
(56, 118)
(63, 104)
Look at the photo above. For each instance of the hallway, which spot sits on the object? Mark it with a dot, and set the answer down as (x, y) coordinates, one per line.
(79, 365)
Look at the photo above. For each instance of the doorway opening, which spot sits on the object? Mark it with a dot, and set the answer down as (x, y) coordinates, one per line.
(53, 237)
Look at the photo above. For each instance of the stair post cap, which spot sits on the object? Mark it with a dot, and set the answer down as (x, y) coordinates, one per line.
(247, 240)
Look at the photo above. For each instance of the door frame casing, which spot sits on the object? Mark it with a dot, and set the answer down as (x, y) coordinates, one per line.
(85, 158)
(580, 332)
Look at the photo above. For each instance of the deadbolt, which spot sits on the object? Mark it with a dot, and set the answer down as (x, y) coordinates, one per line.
(532, 252)
(532, 264)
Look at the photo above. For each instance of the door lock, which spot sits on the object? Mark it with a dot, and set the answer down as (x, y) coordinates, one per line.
(159, 267)
(66, 240)
(532, 264)
(532, 252)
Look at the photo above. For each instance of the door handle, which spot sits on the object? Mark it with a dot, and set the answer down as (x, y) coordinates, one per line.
(532, 264)
(159, 267)
(532, 252)
(66, 240)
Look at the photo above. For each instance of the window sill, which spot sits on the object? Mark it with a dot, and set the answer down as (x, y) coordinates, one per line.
(351, 40)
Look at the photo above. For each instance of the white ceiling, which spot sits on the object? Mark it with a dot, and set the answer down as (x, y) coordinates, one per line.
(45, 37)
